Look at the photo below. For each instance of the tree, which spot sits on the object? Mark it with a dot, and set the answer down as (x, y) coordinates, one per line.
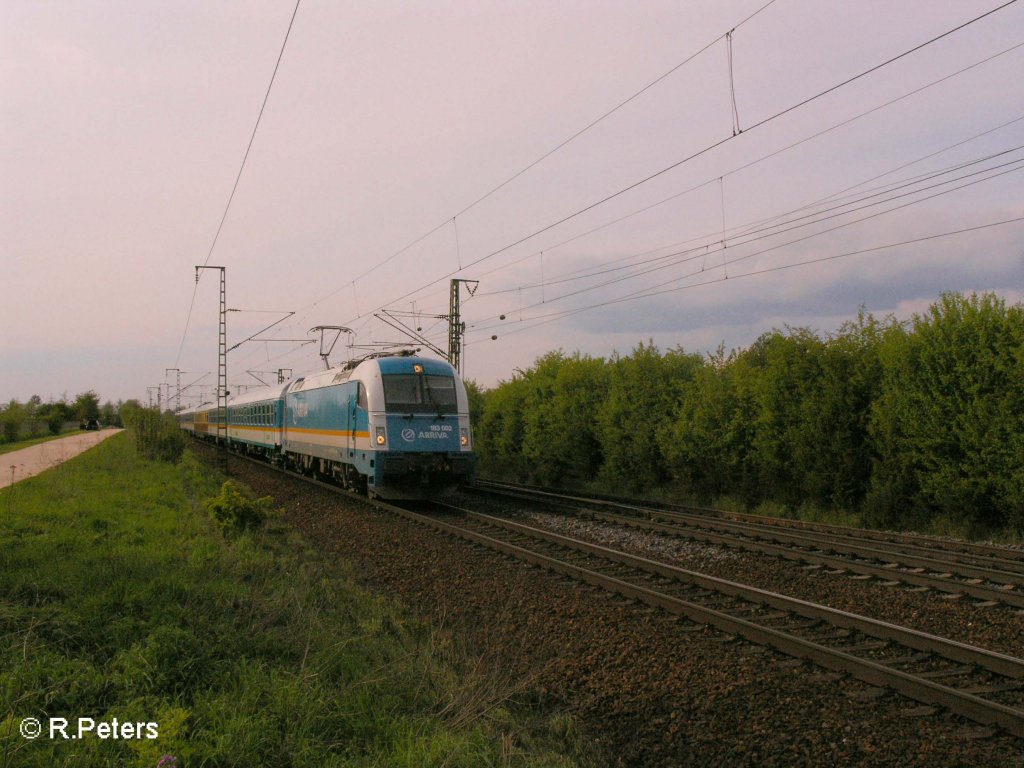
(786, 371)
(13, 418)
(86, 406)
(834, 446)
(644, 392)
(580, 387)
(499, 433)
(54, 413)
(707, 445)
(949, 421)
(109, 414)
(32, 416)
(563, 395)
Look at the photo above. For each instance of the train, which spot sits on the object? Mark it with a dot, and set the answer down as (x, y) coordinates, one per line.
(388, 426)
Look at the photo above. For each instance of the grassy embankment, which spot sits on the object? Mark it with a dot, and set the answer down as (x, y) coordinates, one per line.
(120, 598)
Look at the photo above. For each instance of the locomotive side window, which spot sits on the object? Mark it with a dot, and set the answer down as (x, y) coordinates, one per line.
(413, 393)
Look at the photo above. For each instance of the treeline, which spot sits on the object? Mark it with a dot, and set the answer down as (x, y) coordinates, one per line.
(21, 421)
(915, 424)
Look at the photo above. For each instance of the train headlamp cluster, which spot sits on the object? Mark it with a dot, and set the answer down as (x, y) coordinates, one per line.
(381, 439)
(464, 437)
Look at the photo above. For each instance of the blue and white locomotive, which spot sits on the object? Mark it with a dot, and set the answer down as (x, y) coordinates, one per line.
(393, 427)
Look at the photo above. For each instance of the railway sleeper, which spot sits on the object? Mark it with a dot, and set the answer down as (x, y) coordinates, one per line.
(912, 658)
(989, 690)
(938, 674)
(870, 645)
(828, 636)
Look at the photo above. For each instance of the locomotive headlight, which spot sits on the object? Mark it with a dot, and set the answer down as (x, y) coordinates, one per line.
(464, 437)
(380, 436)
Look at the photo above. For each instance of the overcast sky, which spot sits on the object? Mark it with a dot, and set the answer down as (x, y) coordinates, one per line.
(123, 126)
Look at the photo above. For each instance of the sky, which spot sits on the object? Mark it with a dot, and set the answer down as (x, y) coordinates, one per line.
(691, 173)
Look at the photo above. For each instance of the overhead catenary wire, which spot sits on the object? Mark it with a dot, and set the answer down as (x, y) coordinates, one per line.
(530, 321)
(1018, 165)
(754, 273)
(695, 252)
(710, 147)
(762, 228)
(238, 176)
(786, 148)
(520, 173)
(540, 160)
(778, 114)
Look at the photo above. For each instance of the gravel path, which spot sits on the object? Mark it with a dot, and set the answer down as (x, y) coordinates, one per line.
(17, 465)
(648, 689)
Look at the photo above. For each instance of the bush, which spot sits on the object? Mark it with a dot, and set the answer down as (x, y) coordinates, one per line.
(643, 392)
(155, 435)
(13, 418)
(236, 512)
(947, 425)
(911, 425)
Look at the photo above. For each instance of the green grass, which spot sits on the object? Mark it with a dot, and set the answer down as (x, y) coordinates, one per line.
(9, 447)
(120, 598)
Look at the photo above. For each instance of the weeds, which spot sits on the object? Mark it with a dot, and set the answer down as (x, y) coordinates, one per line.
(244, 650)
(155, 435)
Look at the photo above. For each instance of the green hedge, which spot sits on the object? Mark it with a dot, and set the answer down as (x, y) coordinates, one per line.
(913, 424)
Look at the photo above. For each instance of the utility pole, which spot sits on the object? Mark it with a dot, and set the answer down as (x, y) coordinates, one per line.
(457, 328)
(222, 358)
(177, 389)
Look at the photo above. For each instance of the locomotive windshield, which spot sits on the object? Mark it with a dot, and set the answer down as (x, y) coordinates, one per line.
(413, 393)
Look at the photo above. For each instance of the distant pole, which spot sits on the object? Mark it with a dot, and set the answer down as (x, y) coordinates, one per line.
(222, 358)
(177, 388)
(457, 328)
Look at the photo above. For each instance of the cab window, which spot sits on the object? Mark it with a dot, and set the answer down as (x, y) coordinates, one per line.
(417, 393)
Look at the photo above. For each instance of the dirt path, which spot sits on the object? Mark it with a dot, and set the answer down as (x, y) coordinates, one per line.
(17, 465)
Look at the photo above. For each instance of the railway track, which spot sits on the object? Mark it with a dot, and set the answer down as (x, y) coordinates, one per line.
(980, 685)
(931, 542)
(989, 574)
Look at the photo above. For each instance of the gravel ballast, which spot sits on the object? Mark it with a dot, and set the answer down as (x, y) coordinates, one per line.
(648, 689)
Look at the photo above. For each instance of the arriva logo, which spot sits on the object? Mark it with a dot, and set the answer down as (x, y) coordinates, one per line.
(408, 435)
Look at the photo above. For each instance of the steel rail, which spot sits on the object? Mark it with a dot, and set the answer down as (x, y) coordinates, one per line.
(999, 663)
(735, 536)
(923, 541)
(1000, 570)
(918, 688)
(886, 573)
(921, 689)
(1003, 569)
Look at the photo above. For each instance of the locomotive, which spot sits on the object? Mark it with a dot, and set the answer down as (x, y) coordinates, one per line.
(394, 427)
